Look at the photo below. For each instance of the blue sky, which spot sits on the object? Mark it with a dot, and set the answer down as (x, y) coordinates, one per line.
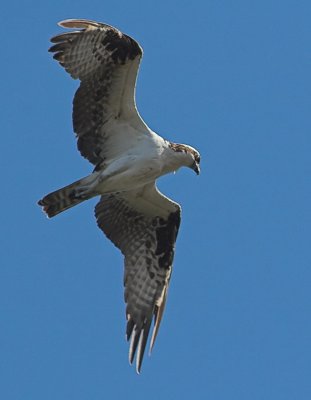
(233, 80)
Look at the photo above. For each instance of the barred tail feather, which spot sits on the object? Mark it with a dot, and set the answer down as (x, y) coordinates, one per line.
(64, 198)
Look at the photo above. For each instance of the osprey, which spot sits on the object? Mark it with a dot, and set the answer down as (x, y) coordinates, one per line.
(128, 158)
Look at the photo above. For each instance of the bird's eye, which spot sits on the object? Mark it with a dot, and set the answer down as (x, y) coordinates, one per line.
(198, 159)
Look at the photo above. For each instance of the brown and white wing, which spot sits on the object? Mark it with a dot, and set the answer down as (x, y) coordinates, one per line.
(143, 225)
(106, 61)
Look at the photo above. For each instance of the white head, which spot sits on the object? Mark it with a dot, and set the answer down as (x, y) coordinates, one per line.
(191, 155)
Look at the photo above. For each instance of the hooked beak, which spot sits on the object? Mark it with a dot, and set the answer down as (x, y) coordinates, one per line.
(196, 168)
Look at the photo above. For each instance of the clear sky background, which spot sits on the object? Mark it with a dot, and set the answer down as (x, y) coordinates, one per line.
(231, 78)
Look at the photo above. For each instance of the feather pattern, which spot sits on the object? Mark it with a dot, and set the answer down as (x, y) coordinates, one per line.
(128, 159)
(106, 61)
(143, 225)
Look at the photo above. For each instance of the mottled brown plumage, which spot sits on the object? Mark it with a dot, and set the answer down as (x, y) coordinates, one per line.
(128, 158)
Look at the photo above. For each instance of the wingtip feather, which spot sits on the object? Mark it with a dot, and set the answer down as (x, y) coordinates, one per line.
(133, 345)
(78, 23)
(142, 345)
(138, 340)
(158, 314)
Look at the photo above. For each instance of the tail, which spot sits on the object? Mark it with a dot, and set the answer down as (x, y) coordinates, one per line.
(67, 197)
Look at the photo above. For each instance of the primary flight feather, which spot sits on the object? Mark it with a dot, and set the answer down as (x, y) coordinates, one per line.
(128, 158)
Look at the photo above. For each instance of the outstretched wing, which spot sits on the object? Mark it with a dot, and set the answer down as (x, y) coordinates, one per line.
(143, 225)
(106, 61)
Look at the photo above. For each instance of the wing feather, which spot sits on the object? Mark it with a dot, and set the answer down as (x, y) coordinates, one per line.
(143, 225)
(106, 61)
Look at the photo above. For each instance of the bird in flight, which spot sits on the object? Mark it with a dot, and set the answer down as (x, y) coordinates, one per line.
(128, 158)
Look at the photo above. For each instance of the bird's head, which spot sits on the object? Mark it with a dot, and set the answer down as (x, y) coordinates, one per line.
(196, 159)
(191, 157)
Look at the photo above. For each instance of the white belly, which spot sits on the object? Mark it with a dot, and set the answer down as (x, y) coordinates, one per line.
(128, 173)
